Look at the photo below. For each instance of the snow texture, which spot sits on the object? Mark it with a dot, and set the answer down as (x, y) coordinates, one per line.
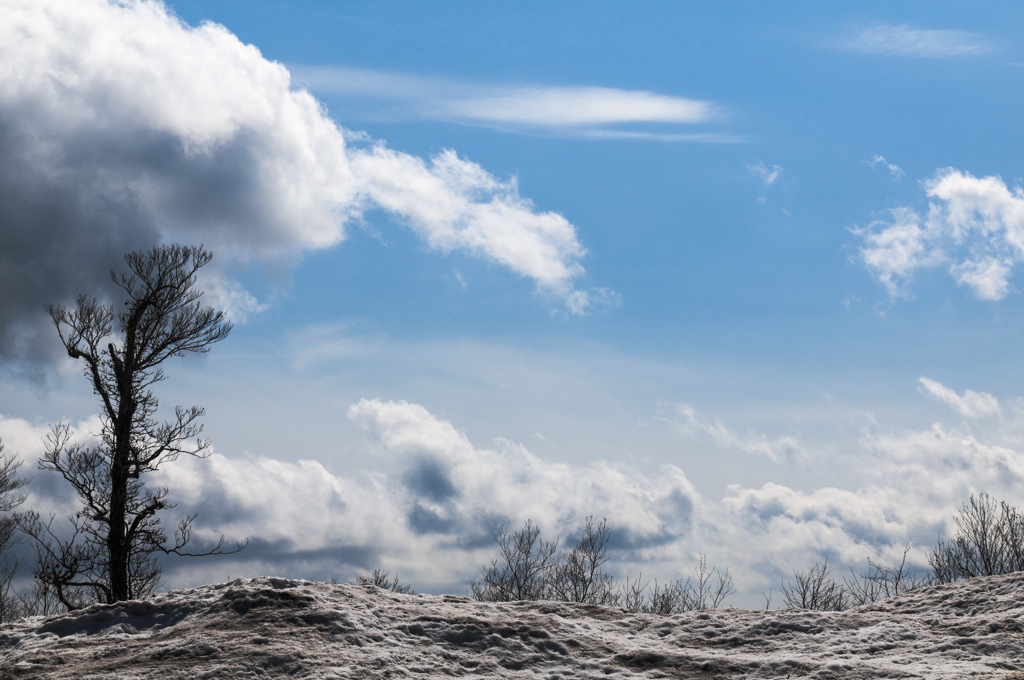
(274, 627)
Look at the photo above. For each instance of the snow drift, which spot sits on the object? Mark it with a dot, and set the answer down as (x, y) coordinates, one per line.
(274, 627)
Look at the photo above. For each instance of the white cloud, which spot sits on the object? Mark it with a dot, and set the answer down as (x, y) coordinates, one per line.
(572, 110)
(433, 517)
(579, 106)
(941, 466)
(26, 443)
(895, 172)
(442, 203)
(762, 173)
(122, 127)
(917, 481)
(976, 225)
(462, 484)
(791, 527)
(690, 422)
(229, 295)
(906, 41)
(895, 249)
(970, 405)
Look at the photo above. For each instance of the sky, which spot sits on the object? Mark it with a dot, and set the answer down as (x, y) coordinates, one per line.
(742, 279)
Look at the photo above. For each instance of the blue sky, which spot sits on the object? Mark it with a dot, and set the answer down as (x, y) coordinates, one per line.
(772, 247)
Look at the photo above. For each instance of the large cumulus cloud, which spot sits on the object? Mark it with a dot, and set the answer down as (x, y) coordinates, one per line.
(433, 516)
(121, 126)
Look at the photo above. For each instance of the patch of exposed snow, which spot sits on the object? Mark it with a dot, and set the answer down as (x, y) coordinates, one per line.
(274, 627)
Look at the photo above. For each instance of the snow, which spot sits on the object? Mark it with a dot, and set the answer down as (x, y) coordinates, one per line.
(274, 627)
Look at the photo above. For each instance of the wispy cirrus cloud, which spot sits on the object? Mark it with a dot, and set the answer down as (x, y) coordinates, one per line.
(692, 423)
(588, 112)
(763, 173)
(904, 40)
(895, 172)
(970, 404)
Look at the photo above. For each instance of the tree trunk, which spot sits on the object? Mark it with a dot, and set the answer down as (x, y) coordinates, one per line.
(117, 544)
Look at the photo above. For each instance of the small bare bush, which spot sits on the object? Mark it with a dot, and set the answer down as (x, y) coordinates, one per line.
(383, 579)
(632, 594)
(705, 592)
(883, 582)
(815, 589)
(530, 568)
(578, 575)
(989, 541)
(707, 589)
(524, 570)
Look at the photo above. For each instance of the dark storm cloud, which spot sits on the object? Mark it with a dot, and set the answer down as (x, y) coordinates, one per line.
(429, 479)
(61, 233)
(122, 127)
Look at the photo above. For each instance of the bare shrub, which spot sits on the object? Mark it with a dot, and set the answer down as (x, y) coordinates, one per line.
(40, 600)
(9, 606)
(383, 579)
(707, 590)
(524, 570)
(577, 576)
(814, 589)
(631, 594)
(666, 600)
(883, 582)
(989, 541)
(529, 569)
(705, 593)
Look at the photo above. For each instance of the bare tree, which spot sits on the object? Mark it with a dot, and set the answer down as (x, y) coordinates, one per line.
(10, 483)
(578, 575)
(523, 571)
(116, 533)
(989, 541)
(814, 589)
(383, 579)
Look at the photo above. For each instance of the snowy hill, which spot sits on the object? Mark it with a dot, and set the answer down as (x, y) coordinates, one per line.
(272, 627)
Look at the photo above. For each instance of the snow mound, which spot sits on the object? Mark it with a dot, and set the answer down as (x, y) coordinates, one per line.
(275, 628)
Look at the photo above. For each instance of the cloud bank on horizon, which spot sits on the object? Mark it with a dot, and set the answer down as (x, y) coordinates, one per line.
(432, 518)
(129, 128)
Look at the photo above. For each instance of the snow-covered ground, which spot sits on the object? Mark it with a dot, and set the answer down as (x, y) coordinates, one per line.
(272, 627)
